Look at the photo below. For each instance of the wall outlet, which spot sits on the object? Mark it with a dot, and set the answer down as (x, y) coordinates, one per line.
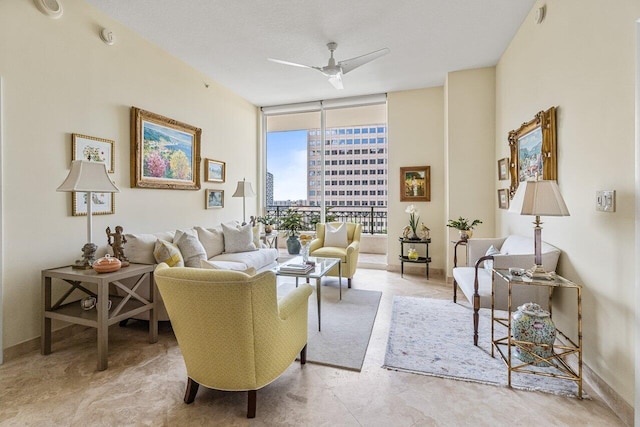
(606, 200)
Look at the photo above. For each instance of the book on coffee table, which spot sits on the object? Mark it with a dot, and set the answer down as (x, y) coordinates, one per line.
(295, 268)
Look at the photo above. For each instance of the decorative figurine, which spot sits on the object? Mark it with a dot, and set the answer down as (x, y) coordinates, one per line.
(88, 257)
(424, 231)
(118, 244)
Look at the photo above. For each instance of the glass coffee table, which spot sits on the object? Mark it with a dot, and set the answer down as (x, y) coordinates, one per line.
(320, 269)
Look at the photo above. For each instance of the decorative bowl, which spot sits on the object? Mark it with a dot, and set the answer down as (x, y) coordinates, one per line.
(107, 264)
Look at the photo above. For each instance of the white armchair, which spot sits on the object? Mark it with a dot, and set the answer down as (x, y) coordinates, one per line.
(474, 280)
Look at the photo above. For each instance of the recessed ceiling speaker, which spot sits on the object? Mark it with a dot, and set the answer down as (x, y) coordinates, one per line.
(540, 14)
(51, 8)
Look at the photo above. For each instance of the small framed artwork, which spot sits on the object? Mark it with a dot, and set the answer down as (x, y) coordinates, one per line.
(103, 204)
(214, 170)
(503, 198)
(415, 184)
(165, 153)
(503, 169)
(533, 149)
(93, 149)
(214, 199)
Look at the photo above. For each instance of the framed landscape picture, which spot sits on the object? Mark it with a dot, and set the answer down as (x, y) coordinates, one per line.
(503, 198)
(214, 170)
(103, 204)
(93, 149)
(503, 169)
(533, 149)
(165, 153)
(415, 184)
(214, 199)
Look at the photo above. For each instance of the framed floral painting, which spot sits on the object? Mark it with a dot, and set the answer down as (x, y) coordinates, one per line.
(165, 153)
(93, 149)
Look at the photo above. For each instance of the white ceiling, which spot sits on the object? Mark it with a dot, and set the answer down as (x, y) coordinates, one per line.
(230, 40)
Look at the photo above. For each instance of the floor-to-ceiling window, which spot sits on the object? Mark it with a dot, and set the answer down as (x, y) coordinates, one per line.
(329, 159)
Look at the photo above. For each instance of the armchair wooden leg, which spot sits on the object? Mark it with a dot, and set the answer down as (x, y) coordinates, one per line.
(192, 389)
(476, 318)
(251, 404)
(303, 355)
(455, 291)
(349, 283)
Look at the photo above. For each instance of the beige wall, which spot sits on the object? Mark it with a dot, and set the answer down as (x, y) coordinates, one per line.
(416, 138)
(471, 171)
(581, 59)
(60, 78)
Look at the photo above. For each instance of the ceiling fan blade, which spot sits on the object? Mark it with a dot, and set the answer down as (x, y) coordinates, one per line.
(336, 81)
(350, 64)
(293, 64)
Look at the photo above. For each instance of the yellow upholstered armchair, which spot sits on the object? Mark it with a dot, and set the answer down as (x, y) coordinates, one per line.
(233, 332)
(348, 252)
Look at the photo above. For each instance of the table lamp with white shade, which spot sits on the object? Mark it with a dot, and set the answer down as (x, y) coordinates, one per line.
(539, 198)
(243, 190)
(88, 177)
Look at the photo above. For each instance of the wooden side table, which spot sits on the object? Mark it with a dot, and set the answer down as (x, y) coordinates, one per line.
(99, 317)
(271, 239)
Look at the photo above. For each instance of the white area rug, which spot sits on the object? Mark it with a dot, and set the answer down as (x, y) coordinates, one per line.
(346, 325)
(435, 337)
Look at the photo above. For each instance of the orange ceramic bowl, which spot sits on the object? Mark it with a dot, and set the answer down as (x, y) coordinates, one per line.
(107, 264)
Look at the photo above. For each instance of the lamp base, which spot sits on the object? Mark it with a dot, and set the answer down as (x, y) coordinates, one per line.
(88, 257)
(538, 273)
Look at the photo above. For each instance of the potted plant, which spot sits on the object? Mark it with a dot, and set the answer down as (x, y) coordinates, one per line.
(292, 221)
(268, 221)
(464, 225)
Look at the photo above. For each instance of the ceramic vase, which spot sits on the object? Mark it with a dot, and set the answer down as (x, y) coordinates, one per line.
(305, 252)
(293, 245)
(533, 324)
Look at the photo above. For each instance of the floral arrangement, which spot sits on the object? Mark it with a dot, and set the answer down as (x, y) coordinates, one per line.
(463, 223)
(305, 239)
(413, 221)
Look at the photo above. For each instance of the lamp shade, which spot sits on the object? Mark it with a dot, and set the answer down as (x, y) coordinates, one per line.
(88, 177)
(541, 198)
(244, 189)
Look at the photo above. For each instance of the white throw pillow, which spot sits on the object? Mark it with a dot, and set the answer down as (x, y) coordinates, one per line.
(168, 253)
(190, 247)
(139, 247)
(488, 264)
(238, 239)
(222, 265)
(212, 239)
(336, 237)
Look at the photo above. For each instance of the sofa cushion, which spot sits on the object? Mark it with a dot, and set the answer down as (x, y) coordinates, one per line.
(257, 259)
(190, 247)
(488, 264)
(227, 265)
(238, 239)
(168, 253)
(139, 247)
(212, 239)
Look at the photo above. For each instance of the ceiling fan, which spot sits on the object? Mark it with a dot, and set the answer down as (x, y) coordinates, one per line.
(335, 71)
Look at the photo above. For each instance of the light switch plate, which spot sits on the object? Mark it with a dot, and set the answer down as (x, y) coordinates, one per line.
(606, 200)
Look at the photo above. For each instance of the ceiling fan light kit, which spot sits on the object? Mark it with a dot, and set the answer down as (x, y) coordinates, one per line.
(333, 70)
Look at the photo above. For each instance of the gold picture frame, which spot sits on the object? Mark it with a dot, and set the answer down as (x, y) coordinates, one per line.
(503, 169)
(103, 204)
(165, 153)
(214, 170)
(533, 149)
(503, 198)
(213, 199)
(92, 149)
(415, 184)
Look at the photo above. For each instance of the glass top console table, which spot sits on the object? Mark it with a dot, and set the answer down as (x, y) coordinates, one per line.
(559, 351)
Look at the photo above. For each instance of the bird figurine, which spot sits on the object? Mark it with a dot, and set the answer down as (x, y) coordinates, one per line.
(424, 231)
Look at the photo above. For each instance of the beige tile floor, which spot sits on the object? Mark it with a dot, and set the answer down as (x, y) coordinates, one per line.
(144, 386)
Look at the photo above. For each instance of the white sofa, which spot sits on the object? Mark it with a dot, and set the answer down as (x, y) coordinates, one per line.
(140, 249)
(474, 279)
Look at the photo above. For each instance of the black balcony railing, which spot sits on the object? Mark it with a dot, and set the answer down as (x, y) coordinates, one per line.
(372, 218)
